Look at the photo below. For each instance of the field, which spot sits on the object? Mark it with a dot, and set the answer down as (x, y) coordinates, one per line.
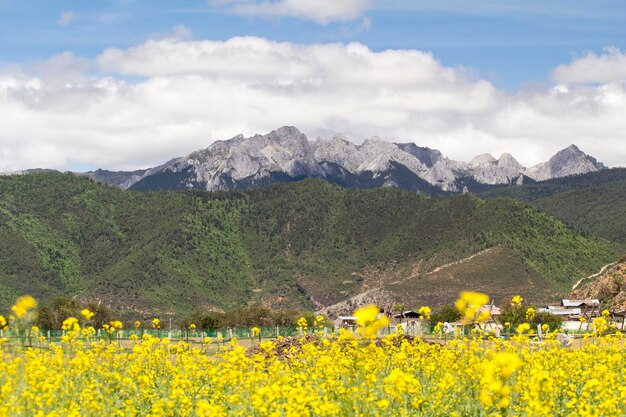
(346, 374)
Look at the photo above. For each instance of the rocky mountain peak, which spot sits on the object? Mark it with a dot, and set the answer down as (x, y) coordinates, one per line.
(286, 154)
(507, 160)
(338, 150)
(288, 136)
(485, 159)
(427, 156)
(568, 161)
(488, 170)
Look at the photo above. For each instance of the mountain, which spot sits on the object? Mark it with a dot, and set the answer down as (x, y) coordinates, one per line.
(609, 286)
(598, 210)
(594, 203)
(488, 170)
(531, 190)
(286, 155)
(120, 179)
(306, 244)
(569, 161)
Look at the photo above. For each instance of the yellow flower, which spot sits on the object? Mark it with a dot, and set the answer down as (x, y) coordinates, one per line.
(600, 325)
(522, 328)
(70, 324)
(509, 363)
(495, 376)
(116, 325)
(516, 300)
(255, 331)
(368, 321)
(424, 312)
(156, 323)
(469, 304)
(88, 315)
(23, 305)
(366, 315)
(137, 324)
(192, 326)
(382, 404)
(302, 323)
(438, 327)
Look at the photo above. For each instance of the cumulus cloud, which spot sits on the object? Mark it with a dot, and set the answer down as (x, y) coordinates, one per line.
(591, 68)
(61, 68)
(165, 98)
(320, 11)
(66, 18)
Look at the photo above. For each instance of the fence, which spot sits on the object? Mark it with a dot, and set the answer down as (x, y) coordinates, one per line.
(198, 336)
(191, 336)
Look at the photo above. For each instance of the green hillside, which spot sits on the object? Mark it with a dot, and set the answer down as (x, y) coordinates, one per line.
(599, 210)
(289, 245)
(536, 190)
(594, 203)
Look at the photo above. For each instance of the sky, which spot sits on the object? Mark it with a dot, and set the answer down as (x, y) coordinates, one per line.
(126, 84)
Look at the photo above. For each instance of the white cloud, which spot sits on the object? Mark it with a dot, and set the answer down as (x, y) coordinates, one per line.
(320, 11)
(190, 93)
(182, 32)
(591, 68)
(66, 18)
(61, 68)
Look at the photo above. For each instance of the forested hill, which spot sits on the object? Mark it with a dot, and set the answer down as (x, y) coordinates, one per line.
(594, 203)
(537, 190)
(306, 244)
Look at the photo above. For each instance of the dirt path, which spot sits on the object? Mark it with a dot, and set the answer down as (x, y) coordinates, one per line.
(597, 274)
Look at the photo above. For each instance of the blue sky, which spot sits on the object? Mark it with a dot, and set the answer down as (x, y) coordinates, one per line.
(125, 84)
(508, 42)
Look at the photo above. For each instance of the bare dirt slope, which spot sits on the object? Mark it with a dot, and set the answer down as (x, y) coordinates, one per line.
(609, 286)
(496, 271)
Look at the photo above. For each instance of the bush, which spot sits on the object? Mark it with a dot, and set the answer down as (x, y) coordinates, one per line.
(50, 314)
(517, 314)
(203, 319)
(555, 322)
(445, 314)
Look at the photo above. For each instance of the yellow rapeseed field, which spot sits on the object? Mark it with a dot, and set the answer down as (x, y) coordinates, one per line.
(341, 375)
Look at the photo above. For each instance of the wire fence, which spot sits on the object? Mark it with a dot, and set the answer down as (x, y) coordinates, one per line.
(221, 336)
(191, 336)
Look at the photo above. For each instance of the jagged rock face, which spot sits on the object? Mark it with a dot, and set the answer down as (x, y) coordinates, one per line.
(287, 151)
(285, 154)
(340, 151)
(284, 150)
(569, 161)
(427, 156)
(377, 156)
(488, 170)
